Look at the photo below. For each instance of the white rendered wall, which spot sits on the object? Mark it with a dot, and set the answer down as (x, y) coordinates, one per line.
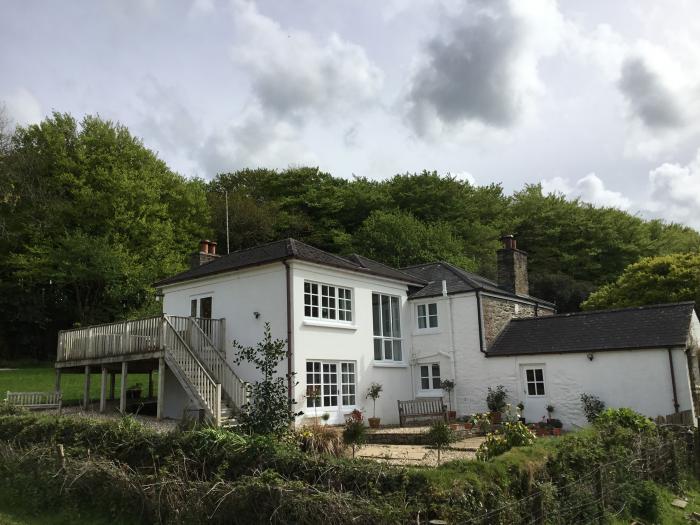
(333, 342)
(236, 296)
(175, 399)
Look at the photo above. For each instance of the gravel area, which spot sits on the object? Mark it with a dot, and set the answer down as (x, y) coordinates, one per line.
(418, 455)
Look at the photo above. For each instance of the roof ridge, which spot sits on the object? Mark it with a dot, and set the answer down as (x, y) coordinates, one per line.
(611, 310)
(292, 245)
(278, 241)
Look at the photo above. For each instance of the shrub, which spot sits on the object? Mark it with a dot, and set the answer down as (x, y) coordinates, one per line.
(496, 398)
(321, 440)
(592, 406)
(440, 435)
(354, 433)
(624, 418)
(514, 435)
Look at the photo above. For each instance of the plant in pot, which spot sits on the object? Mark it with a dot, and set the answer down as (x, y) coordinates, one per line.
(468, 422)
(556, 426)
(550, 410)
(496, 401)
(521, 408)
(448, 386)
(373, 393)
(313, 394)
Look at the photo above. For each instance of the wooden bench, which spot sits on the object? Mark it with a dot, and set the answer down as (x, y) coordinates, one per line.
(421, 409)
(36, 400)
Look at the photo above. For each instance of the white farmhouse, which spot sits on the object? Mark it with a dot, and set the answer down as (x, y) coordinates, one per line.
(350, 322)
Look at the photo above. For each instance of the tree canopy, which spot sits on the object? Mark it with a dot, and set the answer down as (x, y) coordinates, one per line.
(652, 280)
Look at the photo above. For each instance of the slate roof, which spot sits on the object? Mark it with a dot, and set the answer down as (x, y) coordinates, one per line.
(656, 326)
(289, 249)
(458, 281)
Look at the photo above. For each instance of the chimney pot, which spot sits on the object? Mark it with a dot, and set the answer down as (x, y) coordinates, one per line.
(204, 246)
(509, 242)
(212, 247)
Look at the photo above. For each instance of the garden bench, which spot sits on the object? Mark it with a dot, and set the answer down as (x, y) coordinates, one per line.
(421, 409)
(38, 400)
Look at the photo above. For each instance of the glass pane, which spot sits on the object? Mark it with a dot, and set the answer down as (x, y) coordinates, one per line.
(388, 353)
(424, 371)
(307, 311)
(398, 356)
(436, 371)
(193, 308)
(421, 310)
(425, 383)
(376, 315)
(540, 389)
(309, 366)
(538, 375)
(530, 374)
(436, 383)
(386, 316)
(433, 321)
(395, 317)
(205, 307)
(531, 389)
(421, 322)
(432, 309)
(378, 349)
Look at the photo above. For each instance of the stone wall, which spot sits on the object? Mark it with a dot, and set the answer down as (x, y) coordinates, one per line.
(497, 313)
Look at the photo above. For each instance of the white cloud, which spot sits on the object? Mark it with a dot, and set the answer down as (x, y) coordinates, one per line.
(294, 74)
(589, 189)
(465, 175)
(482, 71)
(674, 192)
(23, 107)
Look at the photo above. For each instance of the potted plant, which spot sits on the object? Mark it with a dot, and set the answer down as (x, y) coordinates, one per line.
(496, 401)
(468, 422)
(448, 386)
(550, 410)
(314, 394)
(542, 428)
(521, 408)
(373, 392)
(556, 425)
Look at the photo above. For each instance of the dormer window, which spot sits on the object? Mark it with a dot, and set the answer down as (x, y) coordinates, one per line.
(427, 316)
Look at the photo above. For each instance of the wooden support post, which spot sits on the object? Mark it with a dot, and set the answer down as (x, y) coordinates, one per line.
(86, 388)
(150, 384)
(103, 390)
(58, 380)
(112, 378)
(161, 387)
(122, 392)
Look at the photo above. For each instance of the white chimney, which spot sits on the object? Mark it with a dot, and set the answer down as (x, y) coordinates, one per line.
(444, 288)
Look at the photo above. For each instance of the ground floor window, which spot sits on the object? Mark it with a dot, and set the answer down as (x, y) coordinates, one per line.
(430, 377)
(534, 381)
(330, 384)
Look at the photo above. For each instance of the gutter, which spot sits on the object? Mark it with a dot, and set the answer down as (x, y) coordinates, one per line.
(676, 406)
(290, 339)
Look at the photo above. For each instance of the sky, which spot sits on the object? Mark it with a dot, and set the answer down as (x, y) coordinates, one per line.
(597, 100)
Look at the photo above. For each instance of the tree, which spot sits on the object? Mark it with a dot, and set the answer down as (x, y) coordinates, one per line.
(270, 409)
(89, 220)
(440, 435)
(652, 280)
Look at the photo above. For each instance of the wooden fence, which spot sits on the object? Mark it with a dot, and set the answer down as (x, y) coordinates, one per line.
(684, 418)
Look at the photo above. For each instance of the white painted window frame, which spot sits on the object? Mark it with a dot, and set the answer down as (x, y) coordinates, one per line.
(417, 316)
(310, 410)
(320, 295)
(383, 338)
(543, 381)
(429, 392)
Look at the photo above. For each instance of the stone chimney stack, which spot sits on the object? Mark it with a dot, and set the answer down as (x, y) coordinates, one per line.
(206, 253)
(512, 267)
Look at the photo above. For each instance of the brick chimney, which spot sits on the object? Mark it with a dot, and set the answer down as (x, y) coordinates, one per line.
(512, 267)
(206, 253)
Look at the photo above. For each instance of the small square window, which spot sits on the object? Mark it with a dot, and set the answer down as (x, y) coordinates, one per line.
(430, 377)
(427, 316)
(534, 381)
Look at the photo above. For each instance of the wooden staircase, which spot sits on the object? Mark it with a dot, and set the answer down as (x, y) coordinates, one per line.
(193, 349)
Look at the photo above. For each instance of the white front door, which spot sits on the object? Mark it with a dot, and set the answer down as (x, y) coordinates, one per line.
(534, 392)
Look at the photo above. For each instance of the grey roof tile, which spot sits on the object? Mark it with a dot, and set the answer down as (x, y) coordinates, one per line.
(655, 326)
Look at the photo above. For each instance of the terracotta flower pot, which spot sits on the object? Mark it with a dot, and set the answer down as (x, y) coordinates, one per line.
(556, 431)
(373, 422)
(468, 426)
(454, 426)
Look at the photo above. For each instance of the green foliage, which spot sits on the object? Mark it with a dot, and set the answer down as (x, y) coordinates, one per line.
(592, 406)
(373, 393)
(89, 219)
(496, 398)
(623, 418)
(514, 435)
(354, 432)
(440, 435)
(653, 280)
(270, 408)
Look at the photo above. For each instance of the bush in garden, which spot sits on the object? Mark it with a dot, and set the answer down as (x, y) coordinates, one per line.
(440, 435)
(514, 435)
(624, 418)
(496, 398)
(592, 406)
(321, 439)
(354, 433)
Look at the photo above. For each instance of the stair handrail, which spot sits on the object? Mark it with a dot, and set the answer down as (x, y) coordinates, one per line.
(210, 390)
(234, 387)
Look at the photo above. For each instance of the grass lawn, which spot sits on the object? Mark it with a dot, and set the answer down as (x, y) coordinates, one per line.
(43, 378)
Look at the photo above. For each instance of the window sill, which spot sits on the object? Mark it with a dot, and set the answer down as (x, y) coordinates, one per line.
(427, 331)
(390, 364)
(325, 324)
(430, 393)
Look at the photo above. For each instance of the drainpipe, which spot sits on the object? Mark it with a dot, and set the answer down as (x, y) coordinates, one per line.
(452, 342)
(676, 406)
(290, 340)
(479, 320)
